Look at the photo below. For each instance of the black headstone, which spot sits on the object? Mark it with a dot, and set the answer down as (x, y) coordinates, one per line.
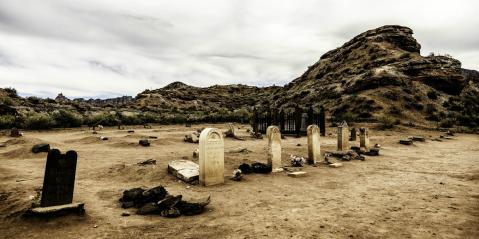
(59, 179)
(353, 135)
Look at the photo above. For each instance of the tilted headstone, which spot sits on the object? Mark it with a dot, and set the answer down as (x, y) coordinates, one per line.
(274, 149)
(212, 153)
(353, 135)
(314, 147)
(343, 137)
(364, 138)
(59, 179)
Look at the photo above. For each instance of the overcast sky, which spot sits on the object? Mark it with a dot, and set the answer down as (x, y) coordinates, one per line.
(107, 48)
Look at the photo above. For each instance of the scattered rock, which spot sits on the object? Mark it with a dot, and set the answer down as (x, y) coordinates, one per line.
(185, 170)
(196, 153)
(335, 165)
(240, 150)
(2, 145)
(237, 175)
(41, 148)
(131, 131)
(406, 141)
(373, 152)
(125, 214)
(192, 138)
(256, 135)
(147, 126)
(417, 138)
(297, 174)
(298, 145)
(260, 168)
(144, 142)
(158, 201)
(146, 162)
(15, 133)
(152, 137)
(245, 168)
(103, 138)
(94, 132)
(297, 161)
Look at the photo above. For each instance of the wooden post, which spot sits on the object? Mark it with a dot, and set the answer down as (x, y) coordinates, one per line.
(255, 120)
(298, 115)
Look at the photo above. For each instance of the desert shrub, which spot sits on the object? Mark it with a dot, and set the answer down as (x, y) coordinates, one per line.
(386, 122)
(417, 97)
(34, 100)
(447, 123)
(405, 55)
(12, 92)
(7, 121)
(131, 119)
(67, 119)
(39, 121)
(105, 119)
(7, 101)
(432, 95)
(390, 95)
(430, 109)
(407, 90)
(395, 110)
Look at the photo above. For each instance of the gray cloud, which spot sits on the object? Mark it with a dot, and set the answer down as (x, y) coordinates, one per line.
(106, 48)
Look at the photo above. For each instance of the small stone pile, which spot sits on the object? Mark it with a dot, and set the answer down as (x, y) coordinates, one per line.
(297, 161)
(158, 201)
(192, 138)
(255, 168)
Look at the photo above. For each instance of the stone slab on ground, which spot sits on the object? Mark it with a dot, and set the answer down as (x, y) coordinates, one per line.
(335, 165)
(41, 148)
(406, 141)
(78, 208)
(297, 174)
(185, 170)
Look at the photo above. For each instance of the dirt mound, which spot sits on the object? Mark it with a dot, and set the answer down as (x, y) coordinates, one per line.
(128, 173)
(85, 140)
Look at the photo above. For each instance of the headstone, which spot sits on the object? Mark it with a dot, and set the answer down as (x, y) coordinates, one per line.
(274, 149)
(364, 138)
(15, 133)
(185, 170)
(314, 147)
(343, 139)
(353, 135)
(211, 160)
(59, 179)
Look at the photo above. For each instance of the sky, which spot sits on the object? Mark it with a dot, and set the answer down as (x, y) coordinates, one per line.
(110, 48)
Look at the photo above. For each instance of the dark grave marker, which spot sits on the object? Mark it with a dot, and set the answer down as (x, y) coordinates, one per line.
(353, 135)
(59, 179)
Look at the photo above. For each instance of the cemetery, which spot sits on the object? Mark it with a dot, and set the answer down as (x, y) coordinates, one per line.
(224, 181)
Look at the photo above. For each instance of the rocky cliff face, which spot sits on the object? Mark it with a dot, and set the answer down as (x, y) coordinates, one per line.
(379, 73)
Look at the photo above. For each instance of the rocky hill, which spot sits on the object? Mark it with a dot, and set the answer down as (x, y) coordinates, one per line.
(378, 75)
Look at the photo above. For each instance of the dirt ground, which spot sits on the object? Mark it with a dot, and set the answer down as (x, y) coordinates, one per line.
(427, 190)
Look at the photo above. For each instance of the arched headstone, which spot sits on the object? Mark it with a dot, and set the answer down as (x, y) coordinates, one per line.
(343, 138)
(274, 149)
(211, 160)
(314, 147)
(59, 179)
(364, 138)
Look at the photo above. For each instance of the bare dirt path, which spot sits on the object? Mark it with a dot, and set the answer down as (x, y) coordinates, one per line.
(428, 190)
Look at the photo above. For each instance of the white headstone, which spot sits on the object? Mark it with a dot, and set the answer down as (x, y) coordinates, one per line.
(274, 148)
(343, 136)
(211, 160)
(314, 147)
(364, 138)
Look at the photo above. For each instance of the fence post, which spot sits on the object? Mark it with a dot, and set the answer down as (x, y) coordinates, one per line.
(281, 121)
(310, 121)
(298, 115)
(255, 120)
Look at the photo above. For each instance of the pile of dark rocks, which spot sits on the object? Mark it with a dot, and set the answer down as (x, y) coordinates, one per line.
(157, 200)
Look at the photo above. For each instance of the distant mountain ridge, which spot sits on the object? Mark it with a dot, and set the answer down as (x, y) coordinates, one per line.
(376, 75)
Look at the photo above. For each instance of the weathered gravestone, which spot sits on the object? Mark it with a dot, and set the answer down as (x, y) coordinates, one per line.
(314, 147)
(274, 149)
(353, 135)
(343, 139)
(364, 138)
(59, 179)
(211, 160)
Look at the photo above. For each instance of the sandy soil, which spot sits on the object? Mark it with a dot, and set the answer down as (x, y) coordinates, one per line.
(428, 190)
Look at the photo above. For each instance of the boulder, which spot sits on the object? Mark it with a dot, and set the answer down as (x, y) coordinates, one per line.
(192, 138)
(406, 141)
(41, 148)
(144, 142)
